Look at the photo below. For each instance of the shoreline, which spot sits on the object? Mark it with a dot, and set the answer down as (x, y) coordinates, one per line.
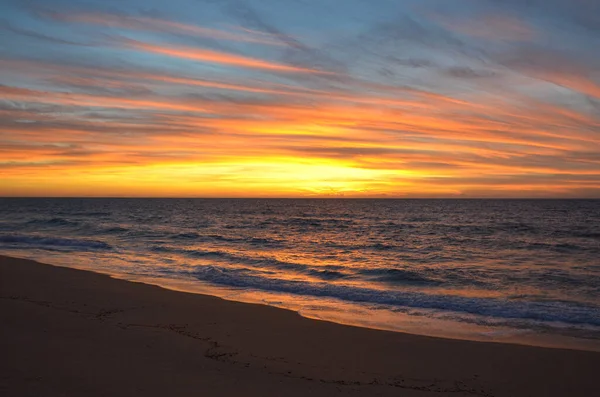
(76, 332)
(404, 323)
(334, 311)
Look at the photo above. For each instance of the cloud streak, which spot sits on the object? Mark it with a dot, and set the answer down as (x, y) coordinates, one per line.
(478, 105)
(209, 56)
(144, 23)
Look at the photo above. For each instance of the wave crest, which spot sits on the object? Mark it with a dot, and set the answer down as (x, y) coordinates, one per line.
(46, 241)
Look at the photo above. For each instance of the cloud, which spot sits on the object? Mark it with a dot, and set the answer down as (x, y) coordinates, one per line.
(205, 55)
(388, 102)
(489, 27)
(463, 72)
(557, 67)
(145, 23)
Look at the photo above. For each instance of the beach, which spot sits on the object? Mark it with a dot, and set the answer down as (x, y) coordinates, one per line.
(72, 332)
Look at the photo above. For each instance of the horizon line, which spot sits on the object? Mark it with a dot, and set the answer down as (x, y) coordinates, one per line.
(297, 198)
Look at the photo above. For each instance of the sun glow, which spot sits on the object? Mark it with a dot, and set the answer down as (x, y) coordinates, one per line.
(257, 177)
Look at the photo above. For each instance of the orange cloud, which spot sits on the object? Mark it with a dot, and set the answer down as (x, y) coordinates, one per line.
(575, 82)
(68, 75)
(204, 55)
(281, 140)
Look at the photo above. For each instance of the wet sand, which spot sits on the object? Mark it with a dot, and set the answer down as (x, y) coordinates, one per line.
(67, 332)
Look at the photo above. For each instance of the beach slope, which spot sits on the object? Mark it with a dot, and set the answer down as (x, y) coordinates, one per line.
(67, 332)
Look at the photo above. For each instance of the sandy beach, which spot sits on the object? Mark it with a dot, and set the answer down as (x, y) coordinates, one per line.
(68, 332)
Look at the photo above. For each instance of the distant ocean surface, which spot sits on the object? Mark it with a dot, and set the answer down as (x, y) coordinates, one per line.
(480, 269)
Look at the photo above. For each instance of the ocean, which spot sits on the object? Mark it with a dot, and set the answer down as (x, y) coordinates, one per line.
(525, 271)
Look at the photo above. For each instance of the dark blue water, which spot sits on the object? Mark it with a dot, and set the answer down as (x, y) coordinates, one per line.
(530, 266)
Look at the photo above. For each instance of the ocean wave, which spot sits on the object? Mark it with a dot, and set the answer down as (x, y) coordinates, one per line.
(556, 247)
(314, 222)
(381, 247)
(45, 241)
(590, 235)
(114, 230)
(205, 238)
(53, 222)
(85, 213)
(420, 219)
(398, 276)
(490, 307)
(516, 227)
(326, 272)
(186, 236)
(256, 241)
(265, 242)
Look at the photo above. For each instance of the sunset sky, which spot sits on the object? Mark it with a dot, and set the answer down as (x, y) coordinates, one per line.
(300, 98)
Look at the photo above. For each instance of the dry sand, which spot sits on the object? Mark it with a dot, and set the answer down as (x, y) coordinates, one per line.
(67, 332)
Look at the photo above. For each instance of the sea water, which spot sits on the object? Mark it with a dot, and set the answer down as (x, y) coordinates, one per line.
(501, 270)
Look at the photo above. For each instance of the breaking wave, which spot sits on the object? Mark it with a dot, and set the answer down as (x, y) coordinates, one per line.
(46, 241)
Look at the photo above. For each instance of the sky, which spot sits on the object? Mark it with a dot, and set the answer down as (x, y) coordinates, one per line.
(300, 98)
